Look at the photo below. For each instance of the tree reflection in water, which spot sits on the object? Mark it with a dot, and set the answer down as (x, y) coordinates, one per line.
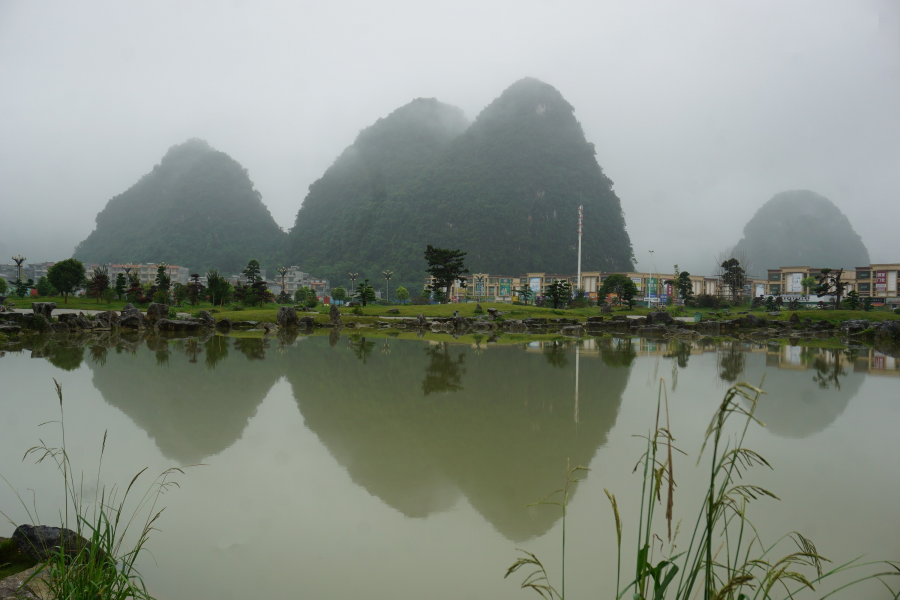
(617, 352)
(732, 361)
(98, 354)
(216, 351)
(66, 358)
(443, 373)
(361, 348)
(252, 348)
(829, 366)
(555, 353)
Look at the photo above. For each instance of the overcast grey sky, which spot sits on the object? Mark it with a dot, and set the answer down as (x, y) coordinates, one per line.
(700, 111)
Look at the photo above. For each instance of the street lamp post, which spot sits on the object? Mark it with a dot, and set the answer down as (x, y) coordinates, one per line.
(352, 282)
(479, 284)
(19, 259)
(387, 278)
(650, 279)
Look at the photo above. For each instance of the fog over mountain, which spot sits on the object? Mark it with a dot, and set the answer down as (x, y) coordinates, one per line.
(801, 228)
(697, 110)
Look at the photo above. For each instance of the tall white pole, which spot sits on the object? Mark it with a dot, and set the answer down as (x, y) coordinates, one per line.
(650, 280)
(580, 219)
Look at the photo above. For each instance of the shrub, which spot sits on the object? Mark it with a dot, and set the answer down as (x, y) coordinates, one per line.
(897, 311)
(311, 302)
(40, 324)
(357, 310)
(173, 314)
(238, 306)
(703, 301)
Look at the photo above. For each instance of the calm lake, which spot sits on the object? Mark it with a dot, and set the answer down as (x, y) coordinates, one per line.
(353, 467)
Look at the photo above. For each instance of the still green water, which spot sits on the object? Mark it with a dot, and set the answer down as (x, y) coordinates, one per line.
(346, 467)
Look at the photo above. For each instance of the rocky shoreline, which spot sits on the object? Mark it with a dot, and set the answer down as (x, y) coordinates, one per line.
(72, 328)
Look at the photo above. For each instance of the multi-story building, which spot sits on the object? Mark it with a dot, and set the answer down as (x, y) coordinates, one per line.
(879, 282)
(500, 288)
(146, 272)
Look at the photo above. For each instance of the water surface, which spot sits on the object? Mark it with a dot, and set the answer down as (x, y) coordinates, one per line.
(339, 467)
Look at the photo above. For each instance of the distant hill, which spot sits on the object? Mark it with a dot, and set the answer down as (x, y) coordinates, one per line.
(197, 208)
(506, 190)
(800, 228)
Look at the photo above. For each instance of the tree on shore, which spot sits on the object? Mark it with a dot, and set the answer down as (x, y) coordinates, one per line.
(163, 284)
(121, 284)
(558, 292)
(402, 294)
(66, 276)
(365, 293)
(44, 287)
(445, 267)
(830, 284)
(339, 293)
(3, 286)
(98, 284)
(252, 272)
(525, 294)
(682, 284)
(621, 287)
(216, 286)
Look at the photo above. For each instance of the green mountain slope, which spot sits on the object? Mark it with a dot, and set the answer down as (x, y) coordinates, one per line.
(801, 228)
(506, 190)
(197, 208)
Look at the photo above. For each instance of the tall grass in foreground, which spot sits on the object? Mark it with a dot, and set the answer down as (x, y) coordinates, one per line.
(98, 564)
(726, 558)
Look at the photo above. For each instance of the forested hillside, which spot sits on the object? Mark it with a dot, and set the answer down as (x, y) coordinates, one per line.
(197, 208)
(801, 228)
(506, 190)
(342, 225)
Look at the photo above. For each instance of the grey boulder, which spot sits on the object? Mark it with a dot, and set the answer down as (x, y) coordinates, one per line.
(43, 308)
(40, 541)
(287, 317)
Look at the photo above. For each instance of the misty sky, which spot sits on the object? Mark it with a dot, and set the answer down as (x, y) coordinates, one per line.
(700, 111)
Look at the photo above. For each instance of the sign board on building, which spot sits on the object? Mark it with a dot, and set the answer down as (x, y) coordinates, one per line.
(794, 284)
(534, 284)
(505, 286)
(637, 281)
(479, 287)
(652, 287)
(880, 281)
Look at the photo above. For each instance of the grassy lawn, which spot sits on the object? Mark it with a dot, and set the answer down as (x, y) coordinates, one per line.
(372, 313)
(11, 560)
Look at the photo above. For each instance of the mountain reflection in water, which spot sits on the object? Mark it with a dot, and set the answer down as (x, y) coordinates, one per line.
(421, 424)
(416, 424)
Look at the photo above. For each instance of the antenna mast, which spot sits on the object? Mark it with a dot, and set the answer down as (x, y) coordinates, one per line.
(580, 220)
